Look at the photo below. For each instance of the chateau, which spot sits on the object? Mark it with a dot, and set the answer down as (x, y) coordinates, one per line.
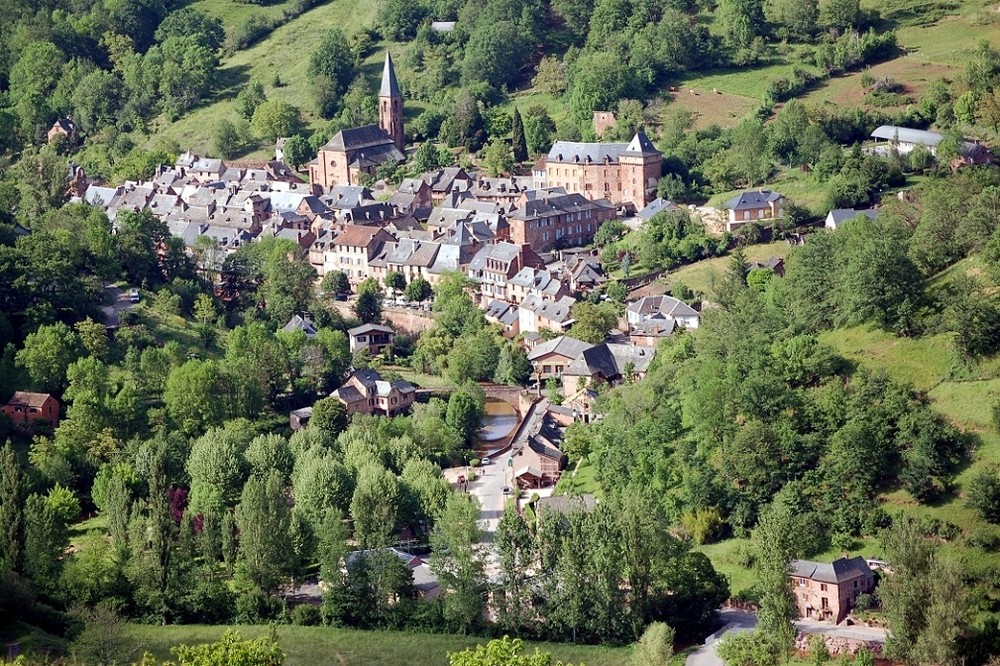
(360, 150)
(623, 173)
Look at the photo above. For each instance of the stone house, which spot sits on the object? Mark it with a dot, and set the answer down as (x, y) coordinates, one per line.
(828, 592)
(665, 310)
(623, 173)
(25, 409)
(536, 313)
(365, 392)
(63, 127)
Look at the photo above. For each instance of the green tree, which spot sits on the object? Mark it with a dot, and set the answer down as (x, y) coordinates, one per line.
(513, 367)
(218, 468)
(465, 413)
(519, 141)
(539, 128)
(368, 307)
(332, 69)
(45, 542)
(841, 14)
(47, 354)
(457, 563)
(275, 118)
(655, 647)
(395, 281)
(192, 395)
(250, 98)
(983, 495)
(297, 152)
(336, 283)
(399, 19)
(12, 491)
(593, 322)
(188, 21)
(495, 54)
(227, 140)
(497, 158)
(799, 17)
(418, 290)
(329, 415)
(375, 506)
(231, 649)
(777, 606)
(93, 337)
(263, 517)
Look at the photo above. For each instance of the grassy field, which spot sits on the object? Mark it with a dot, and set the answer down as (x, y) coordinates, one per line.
(306, 646)
(701, 276)
(922, 362)
(233, 14)
(285, 52)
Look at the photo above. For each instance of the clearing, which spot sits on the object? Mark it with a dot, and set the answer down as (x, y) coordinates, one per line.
(700, 276)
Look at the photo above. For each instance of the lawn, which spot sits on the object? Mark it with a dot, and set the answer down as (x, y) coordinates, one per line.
(285, 52)
(923, 362)
(701, 275)
(582, 479)
(306, 646)
(84, 534)
(419, 379)
(234, 14)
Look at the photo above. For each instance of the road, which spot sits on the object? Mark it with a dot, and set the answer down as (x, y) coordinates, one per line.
(733, 621)
(119, 303)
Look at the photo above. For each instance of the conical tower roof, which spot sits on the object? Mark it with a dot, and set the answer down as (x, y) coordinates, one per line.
(390, 87)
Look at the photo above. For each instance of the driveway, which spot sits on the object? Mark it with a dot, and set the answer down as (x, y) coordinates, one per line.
(119, 303)
(733, 621)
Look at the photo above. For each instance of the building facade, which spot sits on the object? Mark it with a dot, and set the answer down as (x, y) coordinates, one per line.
(546, 219)
(828, 592)
(623, 173)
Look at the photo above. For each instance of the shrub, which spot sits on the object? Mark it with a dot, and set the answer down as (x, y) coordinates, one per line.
(475, 462)
(865, 601)
(307, 615)
(984, 494)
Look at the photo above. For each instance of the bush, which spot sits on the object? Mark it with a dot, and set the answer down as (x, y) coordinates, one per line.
(307, 615)
(472, 476)
(865, 601)
(983, 494)
(475, 462)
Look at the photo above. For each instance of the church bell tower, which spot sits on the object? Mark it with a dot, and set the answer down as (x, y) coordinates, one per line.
(390, 104)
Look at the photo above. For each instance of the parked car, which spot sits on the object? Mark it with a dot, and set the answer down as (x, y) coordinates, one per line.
(485, 460)
(506, 490)
(133, 295)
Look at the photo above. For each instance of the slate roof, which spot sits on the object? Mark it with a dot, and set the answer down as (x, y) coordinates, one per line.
(501, 311)
(752, 200)
(368, 328)
(502, 252)
(838, 216)
(559, 311)
(566, 504)
(839, 571)
(665, 305)
(357, 138)
(389, 87)
(594, 362)
(656, 206)
(575, 152)
(564, 345)
(556, 205)
(907, 135)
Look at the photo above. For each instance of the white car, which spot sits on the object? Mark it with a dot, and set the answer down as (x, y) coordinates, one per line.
(485, 461)
(133, 295)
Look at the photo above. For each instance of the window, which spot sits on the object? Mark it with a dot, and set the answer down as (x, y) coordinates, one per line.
(822, 587)
(746, 215)
(825, 603)
(394, 401)
(547, 369)
(855, 585)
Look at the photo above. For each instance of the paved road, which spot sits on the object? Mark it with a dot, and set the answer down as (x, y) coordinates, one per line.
(119, 303)
(856, 632)
(734, 621)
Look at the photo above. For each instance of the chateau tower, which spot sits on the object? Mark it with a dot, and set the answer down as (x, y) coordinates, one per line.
(390, 104)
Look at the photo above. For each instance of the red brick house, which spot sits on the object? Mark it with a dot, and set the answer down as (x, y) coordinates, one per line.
(25, 409)
(828, 592)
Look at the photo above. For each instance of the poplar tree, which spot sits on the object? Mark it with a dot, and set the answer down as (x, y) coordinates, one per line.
(520, 144)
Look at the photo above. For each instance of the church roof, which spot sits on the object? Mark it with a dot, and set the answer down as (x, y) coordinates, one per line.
(390, 87)
(356, 138)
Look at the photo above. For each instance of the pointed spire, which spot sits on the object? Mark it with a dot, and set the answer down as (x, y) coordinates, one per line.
(390, 87)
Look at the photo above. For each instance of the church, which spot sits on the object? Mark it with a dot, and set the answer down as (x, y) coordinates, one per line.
(361, 150)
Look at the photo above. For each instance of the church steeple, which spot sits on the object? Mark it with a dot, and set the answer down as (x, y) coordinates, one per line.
(390, 104)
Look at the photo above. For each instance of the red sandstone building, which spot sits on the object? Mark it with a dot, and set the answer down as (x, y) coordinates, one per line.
(548, 219)
(25, 409)
(623, 173)
(828, 592)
